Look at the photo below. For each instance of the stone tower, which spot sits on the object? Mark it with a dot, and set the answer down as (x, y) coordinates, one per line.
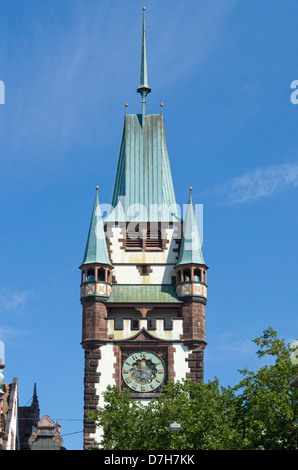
(143, 275)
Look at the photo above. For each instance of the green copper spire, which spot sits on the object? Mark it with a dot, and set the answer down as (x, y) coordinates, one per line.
(144, 88)
(143, 188)
(96, 247)
(190, 250)
(143, 181)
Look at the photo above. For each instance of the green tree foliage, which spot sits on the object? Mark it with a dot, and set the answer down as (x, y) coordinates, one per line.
(259, 413)
(267, 404)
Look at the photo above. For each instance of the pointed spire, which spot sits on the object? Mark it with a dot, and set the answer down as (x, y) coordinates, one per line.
(34, 407)
(96, 248)
(144, 88)
(190, 250)
(34, 392)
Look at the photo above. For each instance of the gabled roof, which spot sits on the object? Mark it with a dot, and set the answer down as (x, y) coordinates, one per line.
(96, 248)
(190, 248)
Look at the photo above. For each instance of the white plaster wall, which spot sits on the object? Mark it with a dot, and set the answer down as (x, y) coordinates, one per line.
(180, 364)
(129, 274)
(106, 369)
(11, 423)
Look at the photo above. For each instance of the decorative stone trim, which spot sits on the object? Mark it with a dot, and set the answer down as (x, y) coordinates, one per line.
(91, 399)
(142, 271)
(109, 235)
(196, 365)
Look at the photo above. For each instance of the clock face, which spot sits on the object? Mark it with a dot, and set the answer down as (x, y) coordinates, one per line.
(143, 371)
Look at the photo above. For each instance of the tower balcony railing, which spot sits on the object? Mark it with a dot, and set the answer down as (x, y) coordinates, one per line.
(192, 289)
(96, 288)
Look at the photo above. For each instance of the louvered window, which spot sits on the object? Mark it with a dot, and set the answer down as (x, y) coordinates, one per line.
(147, 240)
(153, 239)
(133, 240)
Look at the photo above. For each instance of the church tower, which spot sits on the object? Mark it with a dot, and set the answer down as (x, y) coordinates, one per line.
(143, 275)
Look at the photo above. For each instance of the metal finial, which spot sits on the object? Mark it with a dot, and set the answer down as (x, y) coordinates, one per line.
(144, 88)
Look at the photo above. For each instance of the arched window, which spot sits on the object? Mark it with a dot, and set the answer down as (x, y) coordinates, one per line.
(101, 274)
(90, 275)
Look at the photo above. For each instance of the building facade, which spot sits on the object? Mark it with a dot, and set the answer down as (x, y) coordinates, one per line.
(9, 430)
(143, 274)
(20, 426)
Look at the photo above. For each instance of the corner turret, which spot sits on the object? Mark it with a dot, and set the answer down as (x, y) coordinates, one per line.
(191, 270)
(96, 268)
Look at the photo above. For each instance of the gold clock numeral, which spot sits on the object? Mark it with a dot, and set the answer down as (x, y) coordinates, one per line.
(126, 371)
(158, 379)
(143, 388)
(160, 371)
(128, 380)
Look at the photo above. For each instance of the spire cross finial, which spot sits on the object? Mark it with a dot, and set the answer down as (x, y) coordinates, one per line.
(144, 88)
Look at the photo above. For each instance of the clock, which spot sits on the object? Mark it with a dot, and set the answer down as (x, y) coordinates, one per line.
(143, 371)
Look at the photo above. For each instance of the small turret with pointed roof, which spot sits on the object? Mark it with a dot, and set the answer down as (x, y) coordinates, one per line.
(96, 248)
(191, 249)
(191, 268)
(96, 266)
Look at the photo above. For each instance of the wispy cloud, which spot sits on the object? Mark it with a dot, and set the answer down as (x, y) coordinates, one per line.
(13, 301)
(12, 305)
(259, 183)
(226, 346)
(9, 335)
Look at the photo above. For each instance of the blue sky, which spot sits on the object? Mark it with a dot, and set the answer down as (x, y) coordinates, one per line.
(223, 71)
